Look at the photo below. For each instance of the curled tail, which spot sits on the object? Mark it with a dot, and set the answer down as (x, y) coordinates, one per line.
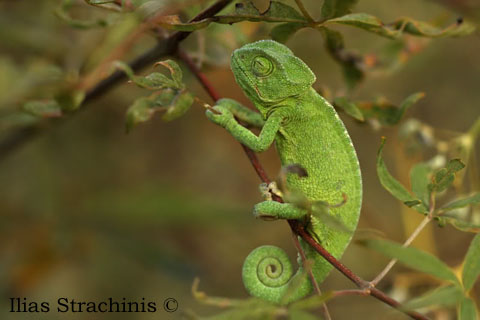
(268, 274)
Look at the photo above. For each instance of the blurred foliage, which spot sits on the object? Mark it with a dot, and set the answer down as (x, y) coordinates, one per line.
(92, 213)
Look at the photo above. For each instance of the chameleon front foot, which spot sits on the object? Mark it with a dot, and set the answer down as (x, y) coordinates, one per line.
(267, 190)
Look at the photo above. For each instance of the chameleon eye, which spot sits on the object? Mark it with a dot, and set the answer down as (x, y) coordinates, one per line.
(262, 66)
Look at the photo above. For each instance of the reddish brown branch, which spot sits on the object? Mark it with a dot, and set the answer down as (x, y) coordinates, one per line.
(200, 76)
(295, 226)
(351, 292)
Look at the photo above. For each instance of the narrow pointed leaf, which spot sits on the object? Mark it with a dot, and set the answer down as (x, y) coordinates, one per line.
(284, 31)
(175, 72)
(444, 296)
(419, 180)
(467, 310)
(63, 15)
(460, 203)
(44, 109)
(155, 80)
(393, 186)
(366, 22)
(406, 104)
(350, 62)
(179, 106)
(471, 266)
(140, 111)
(412, 203)
(70, 100)
(349, 107)
(322, 212)
(312, 302)
(111, 5)
(444, 177)
(244, 11)
(336, 8)
(301, 315)
(455, 165)
(394, 30)
(281, 10)
(414, 258)
(460, 223)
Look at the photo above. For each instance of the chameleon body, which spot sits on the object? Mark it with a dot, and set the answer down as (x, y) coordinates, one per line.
(308, 132)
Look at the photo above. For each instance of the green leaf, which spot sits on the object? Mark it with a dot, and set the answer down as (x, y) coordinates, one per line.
(284, 31)
(459, 222)
(444, 177)
(44, 109)
(301, 315)
(471, 266)
(336, 8)
(412, 203)
(155, 80)
(179, 106)
(244, 11)
(414, 258)
(366, 22)
(460, 203)
(62, 14)
(419, 179)
(349, 107)
(173, 102)
(385, 112)
(312, 302)
(420, 28)
(140, 111)
(394, 30)
(350, 63)
(467, 310)
(407, 103)
(281, 10)
(111, 5)
(175, 72)
(393, 186)
(455, 165)
(96, 2)
(70, 100)
(321, 210)
(444, 296)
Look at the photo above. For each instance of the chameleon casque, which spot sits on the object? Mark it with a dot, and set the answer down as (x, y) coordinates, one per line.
(307, 132)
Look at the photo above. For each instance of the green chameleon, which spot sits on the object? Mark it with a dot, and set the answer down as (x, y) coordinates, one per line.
(307, 132)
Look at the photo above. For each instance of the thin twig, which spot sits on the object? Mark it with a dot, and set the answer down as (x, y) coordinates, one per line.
(308, 269)
(304, 10)
(14, 140)
(351, 292)
(201, 77)
(410, 239)
(392, 262)
(299, 230)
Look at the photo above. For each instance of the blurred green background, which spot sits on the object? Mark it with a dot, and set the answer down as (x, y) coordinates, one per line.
(89, 212)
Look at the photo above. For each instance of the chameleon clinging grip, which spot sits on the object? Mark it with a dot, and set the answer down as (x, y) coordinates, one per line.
(307, 132)
(268, 274)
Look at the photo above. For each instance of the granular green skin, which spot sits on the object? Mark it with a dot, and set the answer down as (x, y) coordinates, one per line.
(307, 131)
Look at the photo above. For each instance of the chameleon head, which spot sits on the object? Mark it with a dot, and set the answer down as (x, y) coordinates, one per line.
(268, 72)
